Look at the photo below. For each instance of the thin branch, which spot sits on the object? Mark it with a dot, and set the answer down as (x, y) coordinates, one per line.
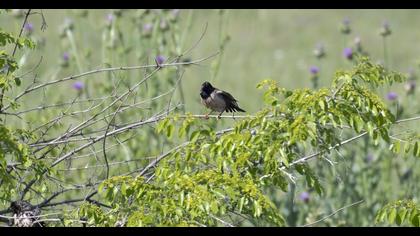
(155, 162)
(408, 119)
(199, 40)
(122, 68)
(221, 221)
(333, 213)
(114, 132)
(306, 158)
(31, 70)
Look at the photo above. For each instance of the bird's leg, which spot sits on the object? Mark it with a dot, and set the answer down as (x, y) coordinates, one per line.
(218, 117)
(233, 115)
(207, 115)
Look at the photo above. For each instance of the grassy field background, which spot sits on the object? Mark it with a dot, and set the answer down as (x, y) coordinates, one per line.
(275, 44)
(262, 44)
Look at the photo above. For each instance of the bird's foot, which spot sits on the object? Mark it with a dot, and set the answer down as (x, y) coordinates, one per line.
(206, 116)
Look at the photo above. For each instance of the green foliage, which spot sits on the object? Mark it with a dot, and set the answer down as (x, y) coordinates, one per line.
(176, 199)
(89, 214)
(369, 73)
(399, 212)
(8, 64)
(407, 147)
(15, 154)
(14, 151)
(220, 173)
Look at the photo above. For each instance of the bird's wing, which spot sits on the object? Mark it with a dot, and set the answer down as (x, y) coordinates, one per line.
(231, 102)
(227, 96)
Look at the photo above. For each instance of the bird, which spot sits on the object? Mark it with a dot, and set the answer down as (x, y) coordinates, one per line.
(218, 100)
(25, 215)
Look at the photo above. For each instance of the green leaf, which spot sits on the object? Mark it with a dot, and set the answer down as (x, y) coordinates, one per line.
(384, 135)
(416, 151)
(162, 125)
(214, 207)
(195, 135)
(284, 158)
(401, 216)
(241, 204)
(17, 81)
(358, 124)
(407, 147)
(415, 220)
(397, 146)
(124, 188)
(170, 130)
(322, 104)
(257, 209)
(27, 163)
(380, 217)
(370, 128)
(319, 189)
(391, 216)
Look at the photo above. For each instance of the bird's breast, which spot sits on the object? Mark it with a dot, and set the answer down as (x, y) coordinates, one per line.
(214, 102)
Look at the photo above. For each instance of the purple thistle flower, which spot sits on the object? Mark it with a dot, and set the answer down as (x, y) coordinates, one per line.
(385, 29)
(65, 59)
(304, 197)
(147, 29)
(385, 24)
(314, 70)
(348, 53)
(346, 21)
(29, 28)
(109, 18)
(78, 85)
(160, 59)
(66, 56)
(391, 96)
(369, 158)
(345, 26)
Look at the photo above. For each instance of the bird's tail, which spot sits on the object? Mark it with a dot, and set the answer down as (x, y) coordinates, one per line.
(234, 108)
(239, 109)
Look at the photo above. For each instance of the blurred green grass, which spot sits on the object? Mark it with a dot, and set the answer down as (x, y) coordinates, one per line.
(275, 44)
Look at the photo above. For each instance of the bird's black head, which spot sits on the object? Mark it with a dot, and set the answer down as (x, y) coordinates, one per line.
(20, 206)
(206, 90)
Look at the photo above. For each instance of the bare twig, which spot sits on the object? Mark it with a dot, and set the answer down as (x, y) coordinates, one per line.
(221, 221)
(122, 68)
(333, 213)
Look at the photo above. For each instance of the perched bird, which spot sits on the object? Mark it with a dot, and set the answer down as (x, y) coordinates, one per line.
(25, 215)
(218, 100)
